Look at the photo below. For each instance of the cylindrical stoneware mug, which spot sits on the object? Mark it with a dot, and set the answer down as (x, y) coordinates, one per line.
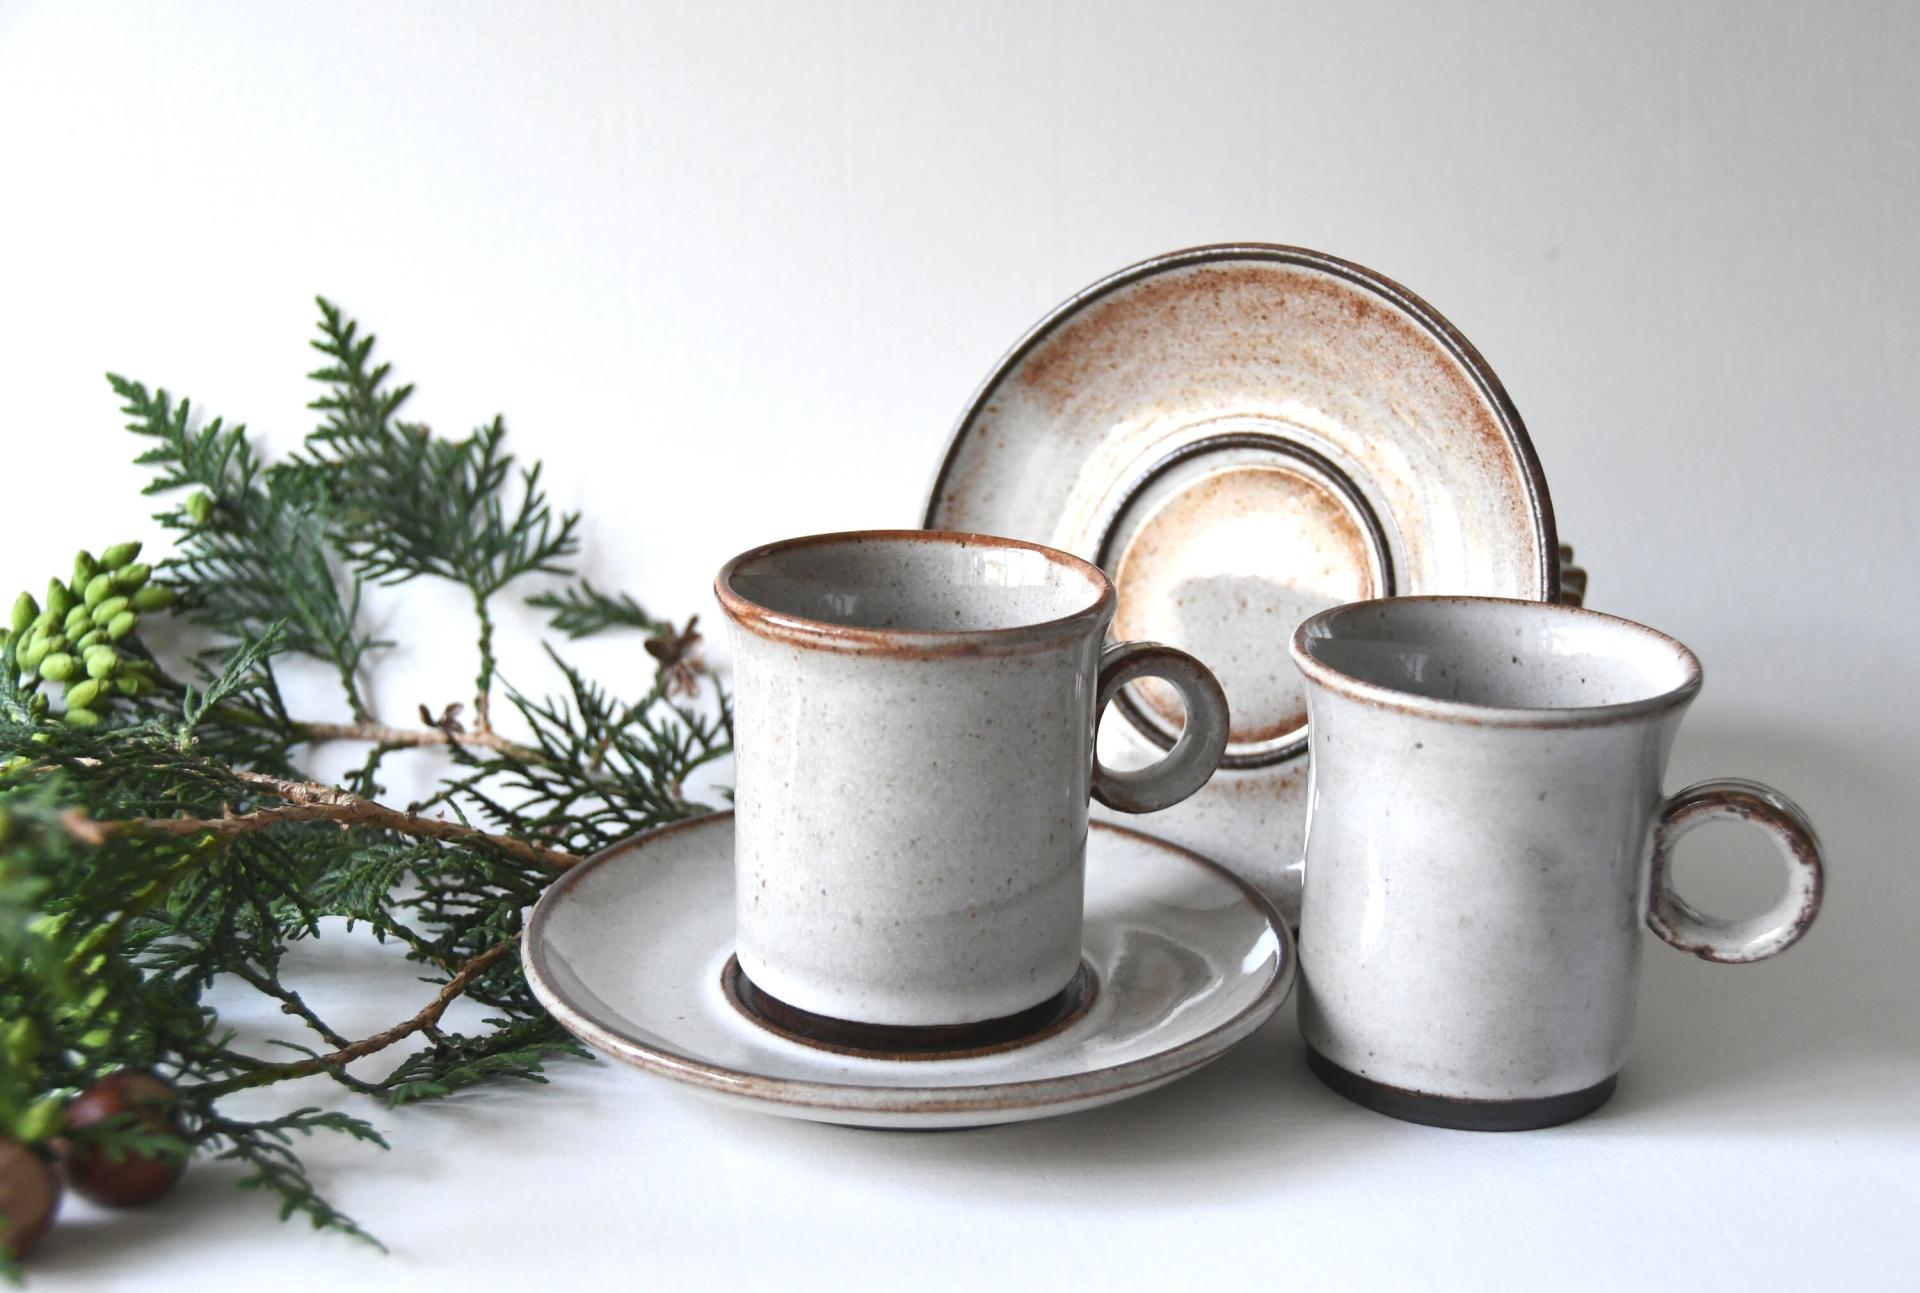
(914, 735)
(1487, 831)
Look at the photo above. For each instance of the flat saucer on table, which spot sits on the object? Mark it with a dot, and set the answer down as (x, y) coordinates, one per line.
(1241, 436)
(628, 951)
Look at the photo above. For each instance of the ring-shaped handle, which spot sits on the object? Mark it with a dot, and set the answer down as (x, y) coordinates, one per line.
(1202, 741)
(1736, 941)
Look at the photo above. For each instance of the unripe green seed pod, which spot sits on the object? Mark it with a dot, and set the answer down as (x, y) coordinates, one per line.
(199, 507)
(102, 661)
(25, 611)
(97, 588)
(119, 555)
(81, 718)
(108, 609)
(92, 637)
(131, 684)
(128, 578)
(59, 600)
(55, 642)
(82, 694)
(31, 653)
(45, 621)
(58, 667)
(77, 620)
(154, 597)
(84, 568)
(121, 625)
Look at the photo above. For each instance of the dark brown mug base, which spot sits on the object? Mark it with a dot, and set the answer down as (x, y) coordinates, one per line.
(1455, 1112)
(909, 1041)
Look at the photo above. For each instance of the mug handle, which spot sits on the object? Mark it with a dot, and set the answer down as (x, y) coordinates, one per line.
(1202, 741)
(1773, 931)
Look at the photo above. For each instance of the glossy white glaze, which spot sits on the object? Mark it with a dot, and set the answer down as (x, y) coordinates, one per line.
(914, 732)
(1487, 791)
(627, 952)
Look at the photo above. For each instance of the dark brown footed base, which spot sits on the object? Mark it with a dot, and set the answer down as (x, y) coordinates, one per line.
(909, 1041)
(1460, 1114)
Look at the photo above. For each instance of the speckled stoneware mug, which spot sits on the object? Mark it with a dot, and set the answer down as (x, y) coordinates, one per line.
(1486, 832)
(914, 735)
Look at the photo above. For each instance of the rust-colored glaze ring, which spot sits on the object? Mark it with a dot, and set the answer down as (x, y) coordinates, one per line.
(825, 635)
(1379, 557)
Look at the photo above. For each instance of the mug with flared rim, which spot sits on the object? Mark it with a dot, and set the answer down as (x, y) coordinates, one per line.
(915, 714)
(1487, 830)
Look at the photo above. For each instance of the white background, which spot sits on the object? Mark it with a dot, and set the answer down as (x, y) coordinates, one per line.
(732, 270)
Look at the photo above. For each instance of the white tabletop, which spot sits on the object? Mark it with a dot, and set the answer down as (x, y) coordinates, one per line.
(731, 271)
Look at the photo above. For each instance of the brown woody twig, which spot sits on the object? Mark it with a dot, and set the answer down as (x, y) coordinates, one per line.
(307, 801)
(425, 1020)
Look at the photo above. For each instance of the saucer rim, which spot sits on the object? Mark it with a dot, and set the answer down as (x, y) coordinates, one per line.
(1407, 302)
(1154, 1069)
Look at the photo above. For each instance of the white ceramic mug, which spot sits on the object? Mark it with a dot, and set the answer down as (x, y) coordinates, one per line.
(1487, 831)
(914, 734)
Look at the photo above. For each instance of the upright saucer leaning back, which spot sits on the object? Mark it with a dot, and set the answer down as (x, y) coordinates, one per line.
(1240, 436)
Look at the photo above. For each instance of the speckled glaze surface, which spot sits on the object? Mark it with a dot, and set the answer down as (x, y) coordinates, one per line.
(914, 734)
(1241, 436)
(627, 952)
(1488, 833)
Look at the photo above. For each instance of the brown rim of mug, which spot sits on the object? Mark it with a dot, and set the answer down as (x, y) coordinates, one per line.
(1466, 712)
(799, 630)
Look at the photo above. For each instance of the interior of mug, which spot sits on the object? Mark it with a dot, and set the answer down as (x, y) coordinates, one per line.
(1498, 654)
(917, 581)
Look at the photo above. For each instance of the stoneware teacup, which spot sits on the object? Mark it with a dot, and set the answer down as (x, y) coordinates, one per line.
(914, 734)
(1486, 832)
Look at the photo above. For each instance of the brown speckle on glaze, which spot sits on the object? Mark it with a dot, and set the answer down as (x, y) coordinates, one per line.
(1476, 896)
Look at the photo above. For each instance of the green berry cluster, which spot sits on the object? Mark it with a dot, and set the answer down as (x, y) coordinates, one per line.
(72, 639)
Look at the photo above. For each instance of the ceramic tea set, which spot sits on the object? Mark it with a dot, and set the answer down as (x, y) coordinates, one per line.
(1248, 544)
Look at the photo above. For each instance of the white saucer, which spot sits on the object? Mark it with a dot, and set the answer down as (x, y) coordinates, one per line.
(628, 949)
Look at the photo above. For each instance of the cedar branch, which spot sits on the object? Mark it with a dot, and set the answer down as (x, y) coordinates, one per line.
(306, 801)
(410, 737)
(425, 1020)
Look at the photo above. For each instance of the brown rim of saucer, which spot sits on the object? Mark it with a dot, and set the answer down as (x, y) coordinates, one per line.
(1403, 301)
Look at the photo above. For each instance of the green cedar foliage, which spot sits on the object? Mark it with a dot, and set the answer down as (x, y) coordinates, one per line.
(158, 834)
